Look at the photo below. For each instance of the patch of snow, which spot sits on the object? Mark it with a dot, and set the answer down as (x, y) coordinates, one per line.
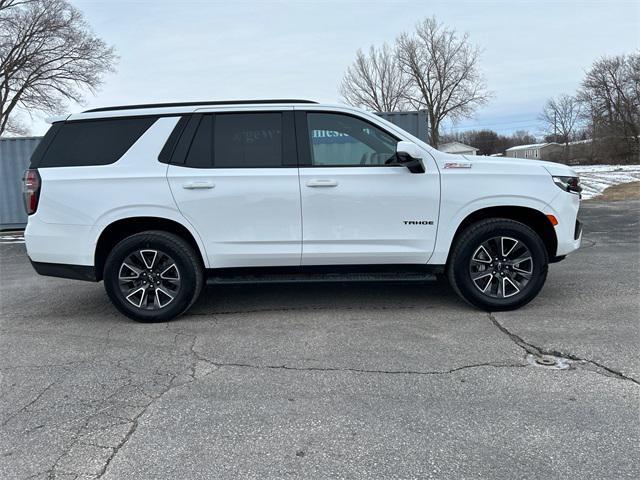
(12, 237)
(529, 146)
(596, 178)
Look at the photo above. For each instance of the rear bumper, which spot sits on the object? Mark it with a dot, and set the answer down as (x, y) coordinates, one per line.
(63, 270)
(56, 250)
(57, 243)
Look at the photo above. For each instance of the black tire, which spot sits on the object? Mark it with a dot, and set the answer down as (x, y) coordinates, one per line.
(189, 276)
(468, 244)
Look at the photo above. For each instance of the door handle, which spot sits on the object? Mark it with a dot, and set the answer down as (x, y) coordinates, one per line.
(195, 185)
(322, 183)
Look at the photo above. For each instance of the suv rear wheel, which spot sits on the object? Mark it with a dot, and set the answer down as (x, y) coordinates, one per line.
(498, 264)
(153, 276)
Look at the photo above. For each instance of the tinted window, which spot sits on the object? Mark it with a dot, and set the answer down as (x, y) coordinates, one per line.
(199, 155)
(343, 140)
(43, 145)
(93, 142)
(248, 140)
(172, 140)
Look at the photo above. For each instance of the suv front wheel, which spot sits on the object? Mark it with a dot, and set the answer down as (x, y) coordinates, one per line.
(498, 264)
(153, 276)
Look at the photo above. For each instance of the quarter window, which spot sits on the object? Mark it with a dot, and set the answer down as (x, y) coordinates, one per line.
(91, 142)
(345, 141)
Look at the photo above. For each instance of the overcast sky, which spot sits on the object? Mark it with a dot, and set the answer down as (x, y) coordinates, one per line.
(209, 50)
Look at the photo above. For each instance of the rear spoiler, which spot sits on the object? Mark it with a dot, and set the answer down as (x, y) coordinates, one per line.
(57, 118)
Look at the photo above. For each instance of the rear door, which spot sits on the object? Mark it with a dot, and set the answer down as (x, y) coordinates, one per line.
(235, 178)
(356, 208)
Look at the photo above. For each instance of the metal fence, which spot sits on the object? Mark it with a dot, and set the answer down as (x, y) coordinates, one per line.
(16, 152)
(14, 160)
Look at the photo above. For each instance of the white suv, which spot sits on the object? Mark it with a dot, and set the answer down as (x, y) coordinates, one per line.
(156, 199)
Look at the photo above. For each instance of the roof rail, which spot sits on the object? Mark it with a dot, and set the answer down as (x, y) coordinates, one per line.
(193, 104)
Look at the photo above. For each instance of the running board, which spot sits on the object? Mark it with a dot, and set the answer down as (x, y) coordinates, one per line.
(216, 278)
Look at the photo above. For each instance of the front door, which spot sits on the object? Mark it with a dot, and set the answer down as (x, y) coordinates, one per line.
(239, 188)
(356, 208)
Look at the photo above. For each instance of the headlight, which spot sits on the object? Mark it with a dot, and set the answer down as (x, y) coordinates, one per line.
(568, 184)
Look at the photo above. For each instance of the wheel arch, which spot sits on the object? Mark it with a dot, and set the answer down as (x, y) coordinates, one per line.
(120, 229)
(531, 217)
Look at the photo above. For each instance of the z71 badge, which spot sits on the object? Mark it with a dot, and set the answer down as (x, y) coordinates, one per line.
(457, 165)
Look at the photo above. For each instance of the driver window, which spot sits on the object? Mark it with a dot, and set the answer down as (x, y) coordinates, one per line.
(345, 141)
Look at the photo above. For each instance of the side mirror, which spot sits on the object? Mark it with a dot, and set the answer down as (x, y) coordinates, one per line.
(410, 149)
(409, 155)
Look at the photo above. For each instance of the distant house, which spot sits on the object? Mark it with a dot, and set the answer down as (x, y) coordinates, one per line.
(536, 151)
(457, 147)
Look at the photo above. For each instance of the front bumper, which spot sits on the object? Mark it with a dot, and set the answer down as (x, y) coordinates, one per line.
(578, 230)
(565, 207)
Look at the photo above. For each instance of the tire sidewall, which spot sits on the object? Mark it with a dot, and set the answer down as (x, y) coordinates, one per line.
(466, 249)
(184, 264)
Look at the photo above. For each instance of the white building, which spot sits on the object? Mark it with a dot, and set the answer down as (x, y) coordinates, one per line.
(535, 151)
(457, 147)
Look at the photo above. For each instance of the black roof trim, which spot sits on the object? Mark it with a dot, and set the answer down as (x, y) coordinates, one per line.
(195, 104)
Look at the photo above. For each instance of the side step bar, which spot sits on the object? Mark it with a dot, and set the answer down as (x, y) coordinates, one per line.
(234, 277)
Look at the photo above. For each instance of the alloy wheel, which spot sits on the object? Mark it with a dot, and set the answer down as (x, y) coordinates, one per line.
(501, 267)
(149, 279)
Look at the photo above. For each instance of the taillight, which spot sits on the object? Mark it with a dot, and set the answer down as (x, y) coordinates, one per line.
(31, 190)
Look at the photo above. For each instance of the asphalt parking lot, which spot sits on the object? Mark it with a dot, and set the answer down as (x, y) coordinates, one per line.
(324, 381)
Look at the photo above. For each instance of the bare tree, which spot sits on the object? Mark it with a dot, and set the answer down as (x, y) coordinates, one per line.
(48, 56)
(5, 4)
(561, 117)
(443, 70)
(375, 81)
(611, 97)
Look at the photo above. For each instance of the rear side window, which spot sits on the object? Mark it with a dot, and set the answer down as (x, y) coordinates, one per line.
(237, 140)
(91, 142)
(246, 140)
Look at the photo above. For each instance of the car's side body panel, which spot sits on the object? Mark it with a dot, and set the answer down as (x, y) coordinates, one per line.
(248, 218)
(270, 217)
(78, 203)
(371, 215)
(367, 214)
(472, 185)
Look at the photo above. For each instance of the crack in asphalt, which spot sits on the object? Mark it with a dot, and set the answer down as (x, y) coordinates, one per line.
(539, 351)
(360, 370)
(190, 372)
(202, 358)
(364, 370)
(25, 407)
(135, 420)
(125, 439)
(198, 357)
(80, 434)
